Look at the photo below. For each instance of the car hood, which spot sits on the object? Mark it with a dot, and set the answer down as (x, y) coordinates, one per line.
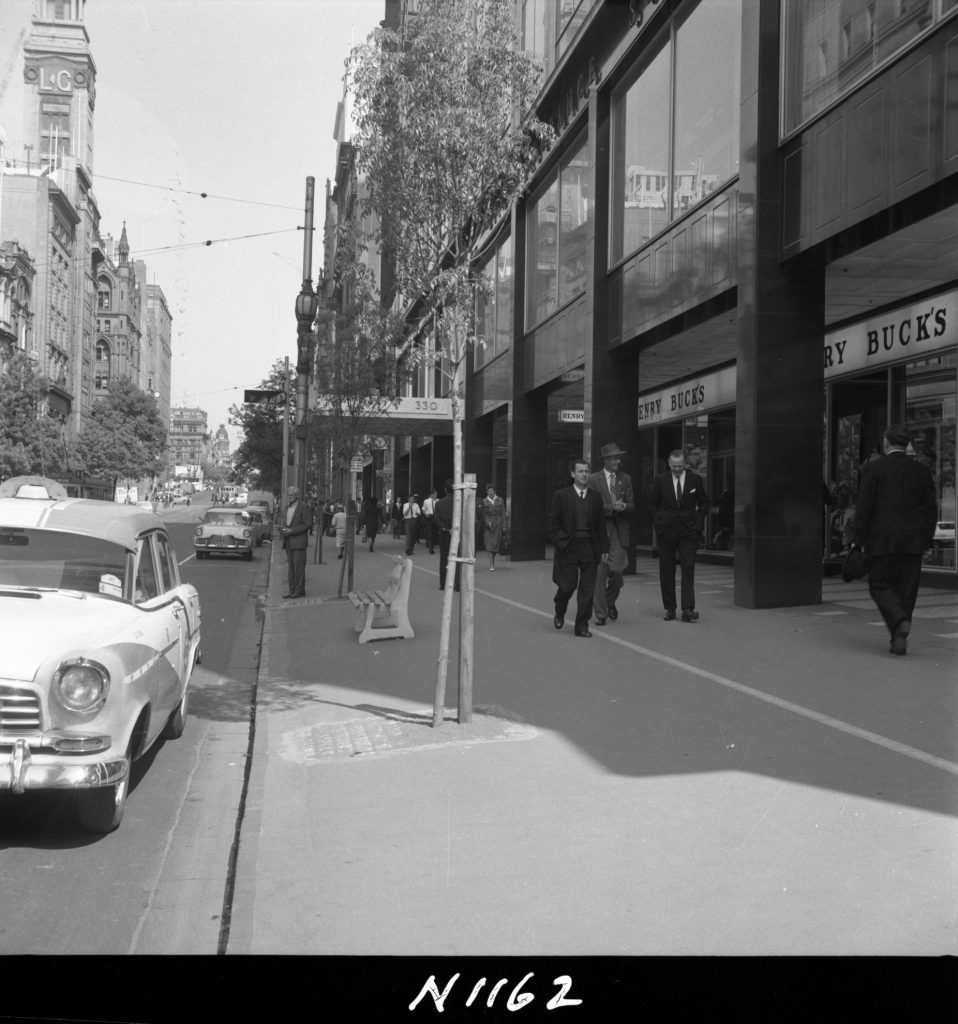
(35, 628)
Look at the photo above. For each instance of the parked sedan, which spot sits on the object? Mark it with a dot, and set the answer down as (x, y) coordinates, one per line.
(259, 525)
(224, 531)
(944, 534)
(100, 638)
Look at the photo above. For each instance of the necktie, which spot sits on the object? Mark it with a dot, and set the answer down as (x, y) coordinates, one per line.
(678, 488)
(612, 485)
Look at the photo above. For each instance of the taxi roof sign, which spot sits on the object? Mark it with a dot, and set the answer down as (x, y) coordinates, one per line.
(41, 487)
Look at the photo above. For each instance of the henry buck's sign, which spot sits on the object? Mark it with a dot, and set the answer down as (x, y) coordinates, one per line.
(911, 332)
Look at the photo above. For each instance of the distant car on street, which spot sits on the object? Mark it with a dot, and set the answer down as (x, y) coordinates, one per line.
(944, 534)
(100, 638)
(181, 499)
(224, 531)
(262, 505)
(241, 500)
(147, 506)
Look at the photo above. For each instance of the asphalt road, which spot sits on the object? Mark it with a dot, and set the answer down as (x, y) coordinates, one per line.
(158, 884)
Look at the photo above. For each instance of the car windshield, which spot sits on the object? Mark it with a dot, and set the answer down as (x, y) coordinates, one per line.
(51, 560)
(226, 518)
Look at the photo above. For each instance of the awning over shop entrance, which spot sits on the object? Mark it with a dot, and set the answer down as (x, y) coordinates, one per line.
(420, 417)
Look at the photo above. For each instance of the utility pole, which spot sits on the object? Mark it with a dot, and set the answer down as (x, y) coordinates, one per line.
(307, 303)
(285, 468)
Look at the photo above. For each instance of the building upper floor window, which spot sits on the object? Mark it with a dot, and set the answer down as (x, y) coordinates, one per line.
(104, 295)
(676, 124)
(829, 48)
(556, 243)
(102, 352)
(494, 305)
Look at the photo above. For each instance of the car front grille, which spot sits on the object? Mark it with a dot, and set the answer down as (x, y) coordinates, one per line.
(19, 709)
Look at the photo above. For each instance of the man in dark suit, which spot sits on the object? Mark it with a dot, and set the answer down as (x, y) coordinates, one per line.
(895, 517)
(678, 502)
(295, 535)
(615, 490)
(577, 530)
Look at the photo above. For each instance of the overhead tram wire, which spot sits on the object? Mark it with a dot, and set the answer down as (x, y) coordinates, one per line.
(190, 192)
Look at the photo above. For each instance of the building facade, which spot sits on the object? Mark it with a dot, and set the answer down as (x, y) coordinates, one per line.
(744, 246)
(189, 438)
(87, 305)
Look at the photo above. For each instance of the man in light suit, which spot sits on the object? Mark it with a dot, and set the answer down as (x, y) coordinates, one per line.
(895, 517)
(577, 530)
(678, 502)
(615, 490)
(295, 535)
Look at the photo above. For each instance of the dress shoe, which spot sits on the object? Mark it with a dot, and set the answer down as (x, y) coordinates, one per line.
(599, 621)
(690, 616)
(583, 632)
(613, 612)
(669, 616)
(558, 620)
(899, 639)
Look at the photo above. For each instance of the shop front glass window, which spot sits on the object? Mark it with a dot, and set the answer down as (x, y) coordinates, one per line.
(503, 296)
(832, 47)
(705, 149)
(641, 164)
(930, 415)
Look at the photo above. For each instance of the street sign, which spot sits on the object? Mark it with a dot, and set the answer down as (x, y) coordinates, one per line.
(356, 466)
(398, 409)
(572, 415)
(252, 397)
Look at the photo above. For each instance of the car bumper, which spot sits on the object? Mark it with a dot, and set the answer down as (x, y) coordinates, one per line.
(21, 769)
(232, 545)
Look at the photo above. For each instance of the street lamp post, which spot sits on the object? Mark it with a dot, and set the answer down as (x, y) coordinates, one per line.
(307, 303)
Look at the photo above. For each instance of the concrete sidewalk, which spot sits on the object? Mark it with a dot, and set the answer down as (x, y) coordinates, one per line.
(759, 782)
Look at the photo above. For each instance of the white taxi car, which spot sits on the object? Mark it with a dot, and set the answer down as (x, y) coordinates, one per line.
(100, 637)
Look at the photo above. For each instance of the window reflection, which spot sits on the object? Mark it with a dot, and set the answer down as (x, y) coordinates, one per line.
(830, 48)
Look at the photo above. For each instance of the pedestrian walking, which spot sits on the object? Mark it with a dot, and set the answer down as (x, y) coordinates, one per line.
(577, 531)
(395, 515)
(895, 517)
(678, 501)
(443, 512)
(295, 535)
(493, 513)
(339, 528)
(411, 514)
(618, 503)
(429, 521)
(372, 520)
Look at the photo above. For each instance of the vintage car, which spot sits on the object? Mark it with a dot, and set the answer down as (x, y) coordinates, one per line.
(100, 638)
(261, 530)
(944, 534)
(224, 531)
(262, 505)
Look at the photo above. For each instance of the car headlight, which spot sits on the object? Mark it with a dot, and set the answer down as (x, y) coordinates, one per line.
(81, 685)
(199, 531)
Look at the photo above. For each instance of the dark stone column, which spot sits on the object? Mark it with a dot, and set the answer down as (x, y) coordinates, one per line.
(780, 384)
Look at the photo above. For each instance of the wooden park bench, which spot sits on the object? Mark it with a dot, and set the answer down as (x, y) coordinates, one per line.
(383, 614)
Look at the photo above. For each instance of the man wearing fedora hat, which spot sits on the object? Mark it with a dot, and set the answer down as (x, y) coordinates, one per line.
(615, 490)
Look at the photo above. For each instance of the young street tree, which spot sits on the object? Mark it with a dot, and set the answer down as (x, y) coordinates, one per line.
(29, 443)
(124, 438)
(447, 141)
(260, 454)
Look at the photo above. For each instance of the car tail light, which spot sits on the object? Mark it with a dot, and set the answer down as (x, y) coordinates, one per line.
(81, 685)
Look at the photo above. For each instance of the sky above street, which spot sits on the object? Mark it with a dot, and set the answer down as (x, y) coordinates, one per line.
(234, 98)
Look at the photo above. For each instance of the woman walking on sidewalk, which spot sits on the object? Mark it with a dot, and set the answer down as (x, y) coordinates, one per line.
(493, 512)
(372, 518)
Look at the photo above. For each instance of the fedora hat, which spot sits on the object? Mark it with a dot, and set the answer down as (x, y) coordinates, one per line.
(608, 450)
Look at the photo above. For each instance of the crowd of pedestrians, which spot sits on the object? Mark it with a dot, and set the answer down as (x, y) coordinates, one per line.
(893, 522)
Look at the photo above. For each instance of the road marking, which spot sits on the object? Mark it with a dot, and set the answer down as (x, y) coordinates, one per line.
(830, 613)
(749, 691)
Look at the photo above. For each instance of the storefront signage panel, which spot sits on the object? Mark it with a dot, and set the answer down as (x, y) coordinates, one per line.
(689, 398)
(911, 332)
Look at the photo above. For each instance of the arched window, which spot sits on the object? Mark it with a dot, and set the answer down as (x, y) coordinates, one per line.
(104, 294)
(102, 351)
